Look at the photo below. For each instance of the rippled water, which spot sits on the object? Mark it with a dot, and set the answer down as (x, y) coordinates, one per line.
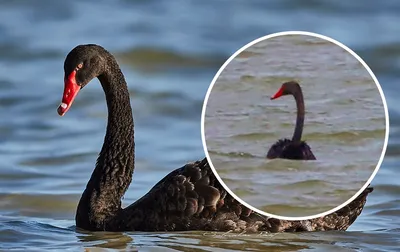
(344, 125)
(170, 52)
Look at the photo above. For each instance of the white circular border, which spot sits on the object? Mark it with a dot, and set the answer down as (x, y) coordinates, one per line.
(284, 34)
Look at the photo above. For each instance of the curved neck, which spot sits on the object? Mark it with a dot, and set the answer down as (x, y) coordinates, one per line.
(298, 96)
(101, 199)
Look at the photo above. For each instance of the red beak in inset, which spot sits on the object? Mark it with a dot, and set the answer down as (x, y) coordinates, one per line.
(278, 94)
(71, 89)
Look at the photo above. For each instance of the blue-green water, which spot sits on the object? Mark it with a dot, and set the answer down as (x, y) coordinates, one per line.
(170, 53)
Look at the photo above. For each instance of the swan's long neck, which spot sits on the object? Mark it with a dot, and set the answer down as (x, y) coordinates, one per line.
(101, 200)
(298, 131)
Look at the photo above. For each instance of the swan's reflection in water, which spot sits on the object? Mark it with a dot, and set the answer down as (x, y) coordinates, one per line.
(219, 241)
(112, 240)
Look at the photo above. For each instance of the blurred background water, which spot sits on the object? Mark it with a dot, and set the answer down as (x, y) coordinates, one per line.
(170, 52)
(344, 125)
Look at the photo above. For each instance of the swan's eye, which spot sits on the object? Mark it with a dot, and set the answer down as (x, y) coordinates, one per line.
(79, 66)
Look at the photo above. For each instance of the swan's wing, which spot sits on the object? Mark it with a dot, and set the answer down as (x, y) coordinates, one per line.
(189, 196)
(190, 190)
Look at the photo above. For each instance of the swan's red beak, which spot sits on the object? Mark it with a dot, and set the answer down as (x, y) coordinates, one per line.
(71, 89)
(278, 94)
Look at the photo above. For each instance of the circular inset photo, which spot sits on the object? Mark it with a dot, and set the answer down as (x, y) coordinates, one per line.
(295, 125)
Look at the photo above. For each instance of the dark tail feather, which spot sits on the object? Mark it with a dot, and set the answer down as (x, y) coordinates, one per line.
(343, 218)
(339, 220)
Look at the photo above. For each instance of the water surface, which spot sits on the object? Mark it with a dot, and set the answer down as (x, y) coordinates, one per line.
(169, 51)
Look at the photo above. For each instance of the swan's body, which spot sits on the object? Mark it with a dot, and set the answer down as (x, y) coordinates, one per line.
(293, 148)
(189, 198)
(287, 149)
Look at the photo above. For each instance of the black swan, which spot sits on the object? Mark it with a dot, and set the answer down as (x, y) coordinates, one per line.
(295, 148)
(189, 198)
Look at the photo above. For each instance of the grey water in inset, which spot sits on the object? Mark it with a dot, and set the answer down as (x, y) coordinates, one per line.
(169, 52)
(344, 125)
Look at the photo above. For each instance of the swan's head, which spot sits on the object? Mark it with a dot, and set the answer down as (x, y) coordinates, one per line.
(81, 65)
(290, 87)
